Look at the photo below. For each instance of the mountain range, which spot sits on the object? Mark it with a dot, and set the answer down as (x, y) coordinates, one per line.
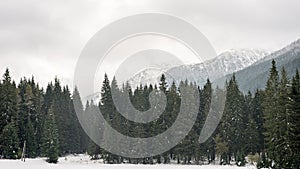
(255, 76)
(251, 67)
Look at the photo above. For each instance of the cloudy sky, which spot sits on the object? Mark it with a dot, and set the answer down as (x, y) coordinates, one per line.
(45, 38)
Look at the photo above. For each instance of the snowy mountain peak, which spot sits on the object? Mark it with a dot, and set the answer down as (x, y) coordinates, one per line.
(225, 63)
(248, 54)
(146, 76)
(235, 60)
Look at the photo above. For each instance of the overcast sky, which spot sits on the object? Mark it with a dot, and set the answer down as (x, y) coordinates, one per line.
(45, 38)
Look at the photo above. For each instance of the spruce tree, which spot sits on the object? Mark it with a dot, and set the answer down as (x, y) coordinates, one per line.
(47, 103)
(163, 121)
(257, 114)
(8, 113)
(252, 137)
(83, 138)
(26, 118)
(8, 100)
(92, 148)
(232, 125)
(50, 143)
(36, 116)
(282, 145)
(206, 95)
(72, 136)
(271, 113)
(107, 109)
(251, 132)
(293, 121)
(9, 141)
(30, 137)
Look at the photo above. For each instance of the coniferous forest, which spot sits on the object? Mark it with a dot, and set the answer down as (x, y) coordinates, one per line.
(262, 127)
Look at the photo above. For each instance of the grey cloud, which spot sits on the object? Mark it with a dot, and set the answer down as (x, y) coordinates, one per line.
(53, 32)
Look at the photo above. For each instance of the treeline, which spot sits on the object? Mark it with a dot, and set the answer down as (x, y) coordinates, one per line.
(263, 126)
(43, 123)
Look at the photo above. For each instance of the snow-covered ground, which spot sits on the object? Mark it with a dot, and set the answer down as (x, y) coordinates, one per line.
(83, 162)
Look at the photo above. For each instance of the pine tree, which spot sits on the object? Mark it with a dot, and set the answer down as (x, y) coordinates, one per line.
(48, 97)
(252, 142)
(270, 108)
(257, 113)
(31, 145)
(50, 141)
(83, 138)
(172, 107)
(293, 121)
(92, 149)
(27, 115)
(233, 122)
(9, 141)
(37, 100)
(36, 116)
(117, 120)
(8, 110)
(281, 141)
(251, 132)
(206, 95)
(61, 107)
(8, 100)
(72, 136)
(107, 109)
(162, 122)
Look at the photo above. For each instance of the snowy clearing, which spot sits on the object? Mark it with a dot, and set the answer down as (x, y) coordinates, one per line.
(83, 161)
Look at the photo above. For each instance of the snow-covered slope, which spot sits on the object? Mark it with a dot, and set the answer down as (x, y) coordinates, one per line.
(83, 161)
(255, 76)
(147, 76)
(225, 63)
(233, 60)
(292, 50)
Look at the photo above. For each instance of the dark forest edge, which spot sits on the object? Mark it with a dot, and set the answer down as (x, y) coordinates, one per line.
(263, 126)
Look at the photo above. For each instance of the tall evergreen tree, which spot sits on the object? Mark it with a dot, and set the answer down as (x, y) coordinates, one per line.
(251, 132)
(206, 96)
(72, 136)
(257, 114)
(9, 141)
(8, 112)
(107, 109)
(50, 143)
(162, 122)
(8, 100)
(281, 140)
(26, 117)
(293, 121)
(83, 138)
(272, 116)
(36, 115)
(233, 126)
(92, 148)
